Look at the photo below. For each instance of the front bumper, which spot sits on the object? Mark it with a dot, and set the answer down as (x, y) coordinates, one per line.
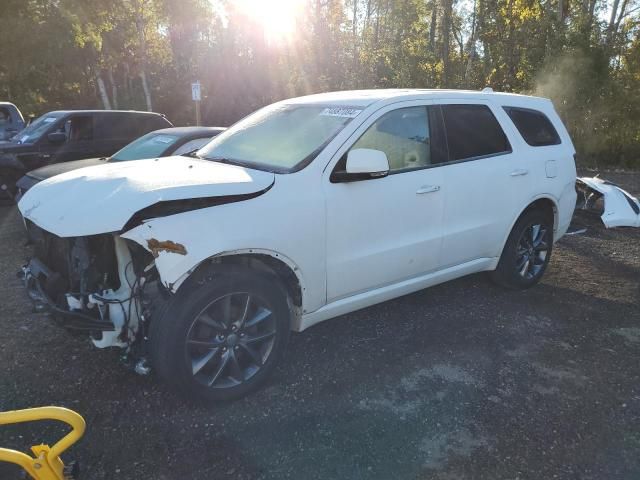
(39, 280)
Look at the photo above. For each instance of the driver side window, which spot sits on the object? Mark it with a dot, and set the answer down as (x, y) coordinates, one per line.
(79, 128)
(403, 135)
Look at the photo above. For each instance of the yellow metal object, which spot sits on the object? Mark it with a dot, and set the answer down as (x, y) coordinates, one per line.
(45, 464)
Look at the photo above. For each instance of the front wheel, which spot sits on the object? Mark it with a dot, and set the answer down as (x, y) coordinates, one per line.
(222, 334)
(527, 252)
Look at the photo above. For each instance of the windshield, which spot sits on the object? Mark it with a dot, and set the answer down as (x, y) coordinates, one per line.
(35, 130)
(280, 138)
(148, 146)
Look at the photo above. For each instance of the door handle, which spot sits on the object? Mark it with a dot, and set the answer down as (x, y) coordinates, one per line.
(428, 189)
(519, 172)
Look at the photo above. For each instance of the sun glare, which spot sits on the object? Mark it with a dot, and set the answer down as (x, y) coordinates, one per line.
(277, 17)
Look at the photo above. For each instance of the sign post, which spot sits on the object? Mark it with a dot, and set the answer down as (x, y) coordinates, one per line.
(196, 95)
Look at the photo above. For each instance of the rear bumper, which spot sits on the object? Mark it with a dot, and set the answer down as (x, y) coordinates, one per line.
(566, 207)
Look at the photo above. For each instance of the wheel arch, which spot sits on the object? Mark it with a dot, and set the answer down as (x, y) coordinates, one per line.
(267, 261)
(546, 203)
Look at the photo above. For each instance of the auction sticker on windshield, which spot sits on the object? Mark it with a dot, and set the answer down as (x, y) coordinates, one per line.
(164, 139)
(341, 112)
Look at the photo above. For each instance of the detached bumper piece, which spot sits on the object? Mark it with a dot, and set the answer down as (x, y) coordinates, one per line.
(41, 282)
(616, 207)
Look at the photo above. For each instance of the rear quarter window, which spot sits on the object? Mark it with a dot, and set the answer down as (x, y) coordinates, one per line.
(115, 126)
(128, 126)
(534, 126)
(473, 131)
(149, 123)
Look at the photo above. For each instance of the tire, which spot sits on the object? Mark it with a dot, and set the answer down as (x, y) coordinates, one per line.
(527, 252)
(208, 344)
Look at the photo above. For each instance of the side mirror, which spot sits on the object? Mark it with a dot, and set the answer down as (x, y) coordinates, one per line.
(57, 138)
(363, 164)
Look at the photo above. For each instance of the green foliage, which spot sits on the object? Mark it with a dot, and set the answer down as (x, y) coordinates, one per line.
(144, 54)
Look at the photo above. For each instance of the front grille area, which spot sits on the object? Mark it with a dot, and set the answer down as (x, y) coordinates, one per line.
(78, 265)
(51, 250)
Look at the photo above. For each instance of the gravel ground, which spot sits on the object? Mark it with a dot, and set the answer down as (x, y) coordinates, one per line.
(463, 380)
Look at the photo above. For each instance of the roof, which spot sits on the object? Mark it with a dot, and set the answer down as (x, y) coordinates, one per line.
(191, 131)
(108, 112)
(364, 98)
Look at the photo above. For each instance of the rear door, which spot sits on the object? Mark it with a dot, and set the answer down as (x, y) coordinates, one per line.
(484, 182)
(114, 130)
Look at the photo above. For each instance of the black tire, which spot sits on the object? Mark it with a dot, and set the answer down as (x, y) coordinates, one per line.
(208, 318)
(527, 252)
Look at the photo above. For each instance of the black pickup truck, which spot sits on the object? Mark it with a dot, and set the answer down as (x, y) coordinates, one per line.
(62, 136)
(11, 120)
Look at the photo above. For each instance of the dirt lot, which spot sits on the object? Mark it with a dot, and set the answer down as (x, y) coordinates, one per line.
(464, 380)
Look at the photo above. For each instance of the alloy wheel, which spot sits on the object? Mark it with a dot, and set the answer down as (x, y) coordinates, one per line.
(532, 251)
(230, 340)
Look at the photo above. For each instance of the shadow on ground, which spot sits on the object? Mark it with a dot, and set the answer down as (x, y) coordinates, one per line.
(463, 380)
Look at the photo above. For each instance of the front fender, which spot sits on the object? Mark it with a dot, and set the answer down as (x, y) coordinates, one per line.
(178, 252)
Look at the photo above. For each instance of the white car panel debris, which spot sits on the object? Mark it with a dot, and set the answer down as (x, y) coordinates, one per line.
(620, 208)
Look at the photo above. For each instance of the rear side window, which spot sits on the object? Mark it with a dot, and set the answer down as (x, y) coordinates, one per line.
(149, 123)
(534, 126)
(115, 126)
(128, 126)
(473, 131)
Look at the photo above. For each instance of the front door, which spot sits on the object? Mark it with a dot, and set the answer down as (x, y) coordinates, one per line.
(385, 230)
(80, 142)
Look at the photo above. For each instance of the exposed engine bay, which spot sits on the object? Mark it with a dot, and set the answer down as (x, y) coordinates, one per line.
(94, 284)
(102, 274)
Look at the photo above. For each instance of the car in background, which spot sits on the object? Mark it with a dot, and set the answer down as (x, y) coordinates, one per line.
(62, 136)
(159, 143)
(11, 120)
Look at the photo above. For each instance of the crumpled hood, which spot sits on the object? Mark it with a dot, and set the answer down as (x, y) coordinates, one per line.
(101, 199)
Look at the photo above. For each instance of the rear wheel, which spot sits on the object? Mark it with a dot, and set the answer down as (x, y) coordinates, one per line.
(222, 334)
(527, 252)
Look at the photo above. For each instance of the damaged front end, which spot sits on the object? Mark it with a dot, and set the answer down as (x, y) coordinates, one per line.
(615, 207)
(87, 271)
(94, 284)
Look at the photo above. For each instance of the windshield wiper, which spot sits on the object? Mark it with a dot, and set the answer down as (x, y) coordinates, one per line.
(191, 154)
(227, 161)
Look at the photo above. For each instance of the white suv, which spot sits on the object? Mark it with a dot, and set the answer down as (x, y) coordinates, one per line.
(305, 210)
